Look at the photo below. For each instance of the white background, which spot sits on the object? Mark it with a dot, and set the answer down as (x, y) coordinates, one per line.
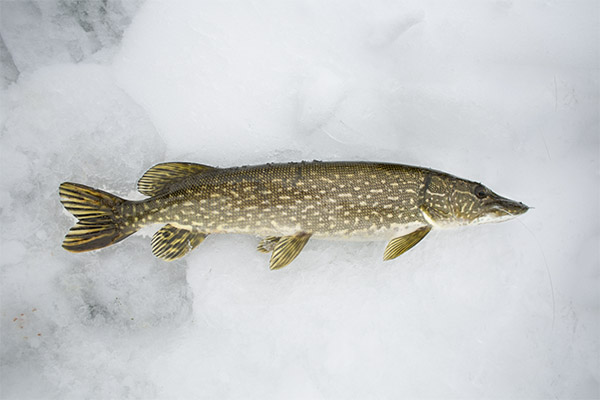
(503, 92)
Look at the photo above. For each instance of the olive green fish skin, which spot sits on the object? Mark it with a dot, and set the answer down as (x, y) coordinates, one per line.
(347, 200)
(284, 203)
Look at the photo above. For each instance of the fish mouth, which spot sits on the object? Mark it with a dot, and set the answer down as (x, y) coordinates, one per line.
(510, 206)
(502, 209)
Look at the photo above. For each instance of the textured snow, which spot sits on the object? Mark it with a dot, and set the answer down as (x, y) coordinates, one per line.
(506, 93)
(40, 32)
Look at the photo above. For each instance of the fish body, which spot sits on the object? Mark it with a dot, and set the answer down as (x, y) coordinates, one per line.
(286, 204)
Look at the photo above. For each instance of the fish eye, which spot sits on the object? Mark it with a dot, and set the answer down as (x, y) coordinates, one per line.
(480, 192)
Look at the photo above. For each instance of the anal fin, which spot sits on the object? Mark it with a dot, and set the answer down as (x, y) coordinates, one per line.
(401, 244)
(171, 243)
(287, 249)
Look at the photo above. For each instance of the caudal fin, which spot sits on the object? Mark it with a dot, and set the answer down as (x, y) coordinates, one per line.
(98, 226)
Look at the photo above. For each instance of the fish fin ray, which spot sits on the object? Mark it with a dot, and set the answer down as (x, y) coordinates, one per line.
(268, 244)
(170, 243)
(98, 226)
(86, 237)
(401, 244)
(287, 249)
(158, 178)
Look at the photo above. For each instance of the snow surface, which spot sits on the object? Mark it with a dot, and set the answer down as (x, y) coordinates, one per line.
(502, 92)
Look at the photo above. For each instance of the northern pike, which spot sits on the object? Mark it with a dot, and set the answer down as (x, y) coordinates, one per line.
(285, 204)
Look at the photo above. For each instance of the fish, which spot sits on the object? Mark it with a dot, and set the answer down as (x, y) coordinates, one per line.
(285, 204)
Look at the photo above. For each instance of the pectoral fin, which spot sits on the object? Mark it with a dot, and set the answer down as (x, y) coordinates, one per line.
(171, 243)
(288, 248)
(401, 244)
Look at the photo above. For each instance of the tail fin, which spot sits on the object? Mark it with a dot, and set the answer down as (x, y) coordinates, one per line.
(98, 226)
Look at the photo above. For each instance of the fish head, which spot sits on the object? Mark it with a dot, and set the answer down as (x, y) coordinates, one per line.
(451, 201)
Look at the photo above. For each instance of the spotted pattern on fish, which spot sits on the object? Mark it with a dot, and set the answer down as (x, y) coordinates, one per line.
(287, 204)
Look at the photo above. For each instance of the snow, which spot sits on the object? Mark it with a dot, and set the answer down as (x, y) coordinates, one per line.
(506, 93)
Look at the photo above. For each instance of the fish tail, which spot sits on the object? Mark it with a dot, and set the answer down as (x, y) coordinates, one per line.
(98, 225)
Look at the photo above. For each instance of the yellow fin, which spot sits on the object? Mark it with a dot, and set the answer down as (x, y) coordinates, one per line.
(161, 176)
(98, 226)
(268, 244)
(288, 248)
(401, 244)
(171, 243)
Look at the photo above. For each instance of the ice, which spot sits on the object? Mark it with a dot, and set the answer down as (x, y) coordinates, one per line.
(501, 92)
(35, 33)
(68, 122)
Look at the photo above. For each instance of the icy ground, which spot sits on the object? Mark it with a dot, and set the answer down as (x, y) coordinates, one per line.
(504, 92)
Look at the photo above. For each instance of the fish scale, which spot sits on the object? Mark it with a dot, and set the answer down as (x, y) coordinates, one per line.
(286, 204)
(349, 200)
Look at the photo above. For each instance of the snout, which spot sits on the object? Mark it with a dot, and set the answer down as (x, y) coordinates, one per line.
(511, 207)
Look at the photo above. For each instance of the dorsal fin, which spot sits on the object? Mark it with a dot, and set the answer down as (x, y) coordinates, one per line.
(157, 178)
